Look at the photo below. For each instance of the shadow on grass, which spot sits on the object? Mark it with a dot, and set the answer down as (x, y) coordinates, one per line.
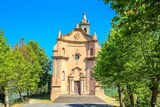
(89, 105)
(43, 96)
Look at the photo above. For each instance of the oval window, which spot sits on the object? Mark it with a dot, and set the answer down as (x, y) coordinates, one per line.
(76, 57)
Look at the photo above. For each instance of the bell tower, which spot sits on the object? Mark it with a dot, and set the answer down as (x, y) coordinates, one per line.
(85, 24)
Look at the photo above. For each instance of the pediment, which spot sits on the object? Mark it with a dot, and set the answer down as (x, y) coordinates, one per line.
(77, 35)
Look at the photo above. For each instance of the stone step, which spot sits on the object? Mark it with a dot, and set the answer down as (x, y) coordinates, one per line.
(78, 99)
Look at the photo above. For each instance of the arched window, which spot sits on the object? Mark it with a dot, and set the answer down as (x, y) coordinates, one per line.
(85, 29)
(63, 51)
(63, 76)
(91, 52)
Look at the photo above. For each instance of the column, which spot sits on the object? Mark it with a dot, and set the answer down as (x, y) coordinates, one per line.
(72, 86)
(55, 68)
(82, 87)
(88, 81)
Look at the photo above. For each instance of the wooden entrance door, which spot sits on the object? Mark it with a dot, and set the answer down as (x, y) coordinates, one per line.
(77, 87)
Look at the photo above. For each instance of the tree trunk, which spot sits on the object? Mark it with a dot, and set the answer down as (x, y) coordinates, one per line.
(2, 97)
(21, 96)
(154, 96)
(120, 95)
(137, 102)
(6, 97)
(131, 96)
(28, 93)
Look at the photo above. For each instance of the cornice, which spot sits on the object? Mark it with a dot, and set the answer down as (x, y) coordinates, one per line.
(55, 51)
(55, 86)
(76, 42)
(60, 57)
(91, 58)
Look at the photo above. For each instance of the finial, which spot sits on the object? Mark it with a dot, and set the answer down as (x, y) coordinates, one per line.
(84, 16)
(77, 25)
(95, 36)
(59, 34)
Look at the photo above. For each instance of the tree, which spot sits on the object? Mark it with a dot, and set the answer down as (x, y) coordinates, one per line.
(136, 41)
(108, 69)
(44, 62)
(116, 64)
(27, 68)
(22, 68)
(22, 75)
(6, 65)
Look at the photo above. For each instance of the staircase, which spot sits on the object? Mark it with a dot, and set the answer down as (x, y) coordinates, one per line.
(78, 99)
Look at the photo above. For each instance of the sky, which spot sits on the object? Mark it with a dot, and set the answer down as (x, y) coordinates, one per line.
(40, 20)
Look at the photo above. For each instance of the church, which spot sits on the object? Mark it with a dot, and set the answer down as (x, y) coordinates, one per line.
(74, 57)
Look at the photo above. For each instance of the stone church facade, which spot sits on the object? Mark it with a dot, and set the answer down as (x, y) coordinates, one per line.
(73, 59)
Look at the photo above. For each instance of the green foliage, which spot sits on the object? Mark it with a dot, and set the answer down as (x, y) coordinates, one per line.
(21, 76)
(6, 65)
(44, 62)
(24, 68)
(130, 57)
(111, 92)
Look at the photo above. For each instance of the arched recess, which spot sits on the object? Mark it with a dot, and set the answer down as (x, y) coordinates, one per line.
(63, 51)
(91, 52)
(76, 73)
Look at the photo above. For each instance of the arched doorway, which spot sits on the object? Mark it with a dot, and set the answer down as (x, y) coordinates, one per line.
(76, 83)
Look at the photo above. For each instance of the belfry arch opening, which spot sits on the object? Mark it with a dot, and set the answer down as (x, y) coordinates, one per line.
(85, 29)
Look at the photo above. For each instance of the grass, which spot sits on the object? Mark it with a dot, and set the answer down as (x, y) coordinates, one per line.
(40, 98)
(44, 96)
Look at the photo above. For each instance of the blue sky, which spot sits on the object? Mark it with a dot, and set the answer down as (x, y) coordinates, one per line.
(40, 20)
